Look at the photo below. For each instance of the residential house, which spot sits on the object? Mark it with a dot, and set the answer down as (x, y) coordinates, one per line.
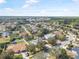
(47, 36)
(17, 48)
(5, 34)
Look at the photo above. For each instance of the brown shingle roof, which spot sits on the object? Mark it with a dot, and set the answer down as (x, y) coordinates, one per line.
(17, 47)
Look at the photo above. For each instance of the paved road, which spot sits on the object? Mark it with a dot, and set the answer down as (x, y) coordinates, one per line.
(26, 30)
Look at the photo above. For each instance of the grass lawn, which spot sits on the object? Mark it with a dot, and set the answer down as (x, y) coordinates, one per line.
(18, 56)
(4, 40)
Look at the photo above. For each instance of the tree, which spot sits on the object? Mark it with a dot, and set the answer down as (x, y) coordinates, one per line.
(7, 55)
(60, 37)
(40, 45)
(18, 57)
(31, 48)
(39, 25)
(63, 54)
(30, 38)
(52, 41)
(1, 50)
(43, 32)
(70, 46)
(13, 37)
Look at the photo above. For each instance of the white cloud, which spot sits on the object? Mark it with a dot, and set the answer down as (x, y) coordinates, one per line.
(43, 12)
(57, 12)
(66, 10)
(76, 1)
(9, 9)
(26, 5)
(2, 1)
(32, 1)
(29, 3)
(6, 12)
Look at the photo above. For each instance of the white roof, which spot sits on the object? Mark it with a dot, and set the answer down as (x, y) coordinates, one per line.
(34, 42)
(48, 45)
(47, 36)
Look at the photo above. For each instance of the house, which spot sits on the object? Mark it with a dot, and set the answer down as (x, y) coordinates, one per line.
(76, 26)
(5, 34)
(77, 40)
(47, 47)
(58, 42)
(58, 32)
(72, 53)
(17, 48)
(47, 36)
(35, 42)
(23, 34)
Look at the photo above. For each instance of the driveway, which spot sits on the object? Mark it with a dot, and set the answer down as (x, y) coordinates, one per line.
(25, 56)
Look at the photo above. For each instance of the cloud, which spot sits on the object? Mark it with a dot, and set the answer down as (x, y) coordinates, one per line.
(66, 10)
(57, 12)
(25, 6)
(29, 3)
(2, 1)
(9, 9)
(76, 1)
(42, 12)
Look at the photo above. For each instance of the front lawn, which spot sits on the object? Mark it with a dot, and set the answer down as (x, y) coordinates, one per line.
(4, 40)
(19, 56)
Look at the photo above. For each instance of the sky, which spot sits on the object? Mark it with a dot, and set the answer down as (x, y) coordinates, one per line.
(39, 7)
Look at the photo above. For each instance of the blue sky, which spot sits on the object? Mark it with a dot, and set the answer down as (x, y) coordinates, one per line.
(39, 7)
